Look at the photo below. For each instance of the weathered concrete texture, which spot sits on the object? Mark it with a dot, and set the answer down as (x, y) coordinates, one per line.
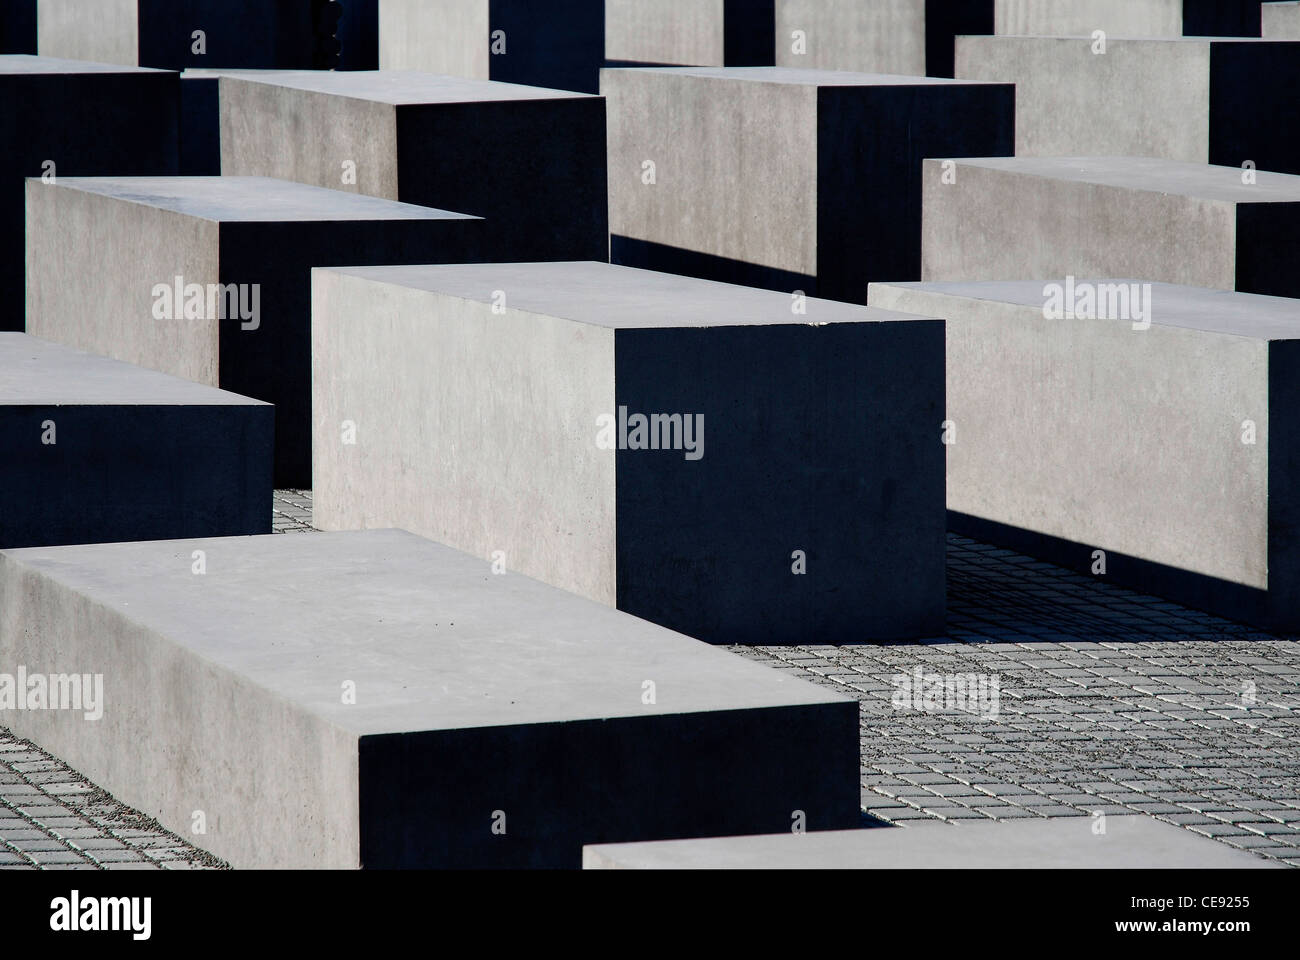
(544, 43)
(883, 36)
(1129, 842)
(531, 160)
(1128, 18)
(96, 450)
(285, 34)
(66, 118)
(1202, 101)
(1027, 218)
(785, 179)
(200, 134)
(425, 712)
(1281, 21)
(103, 255)
(721, 33)
(1064, 445)
(480, 428)
(18, 26)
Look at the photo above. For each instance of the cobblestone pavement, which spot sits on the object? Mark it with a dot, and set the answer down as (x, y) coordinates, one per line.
(1107, 700)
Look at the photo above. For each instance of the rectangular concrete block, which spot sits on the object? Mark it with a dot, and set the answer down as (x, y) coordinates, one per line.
(797, 495)
(104, 256)
(883, 36)
(67, 118)
(96, 451)
(284, 34)
(542, 43)
(1196, 100)
(786, 179)
(1129, 842)
(1128, 18)
(701, 33)
(530, 160)
(1027, 218)
(374, 699)
(1281, 21)
(1151, 422)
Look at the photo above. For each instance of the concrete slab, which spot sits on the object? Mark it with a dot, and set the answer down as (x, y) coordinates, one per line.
(386, 133)
(1128, 18)
(1063, 440)
(1129, 843)
(284, 34)
(1027, 218)
(374, 699)
(69, 118)
(544, 43)
(200, 154)
(720, 33)
(785, 179)
(104, 255)
(480, 427)
(1281, 21)
(1196, 100)
(97, 451)
(883, 36)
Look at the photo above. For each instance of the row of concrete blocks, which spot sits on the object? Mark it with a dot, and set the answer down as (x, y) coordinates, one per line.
(572, 419)
(564, 43)
(677, 203)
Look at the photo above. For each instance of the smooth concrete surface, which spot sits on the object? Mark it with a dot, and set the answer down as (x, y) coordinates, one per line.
(479, 428)
(1128, 18)
(882, 36)
(200, 134)
(97, 451)
(1064, 442)
(785, 179)
(720, 33)
(285, 34)
(1128, 843)
(470, 145)
(72, 118)
(1196, 100)
(416, 701)
(1027, 218)
(545, 43)
(98, 249)
(1281, 21)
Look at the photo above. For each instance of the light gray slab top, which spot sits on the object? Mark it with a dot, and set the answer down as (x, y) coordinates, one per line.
(251, 199)
(1122, 38)
(403, 87)
(618, 297)
(803, 77)
(1172, 305)
(430, 636)
(30, 64)
(1200, 180)
(1129, 842)
(36, 372)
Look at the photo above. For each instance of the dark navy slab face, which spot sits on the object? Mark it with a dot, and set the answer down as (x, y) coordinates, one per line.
(254, 199)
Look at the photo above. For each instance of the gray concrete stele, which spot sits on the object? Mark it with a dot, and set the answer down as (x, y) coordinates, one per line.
(96, 450)
(733, 463)
(209, 278)
(1149, 423)
(1112, 843)
(529, 159)
(1198, 100)
(786, 179)
(378, 700)
(1031, 218)
(1128, 18)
